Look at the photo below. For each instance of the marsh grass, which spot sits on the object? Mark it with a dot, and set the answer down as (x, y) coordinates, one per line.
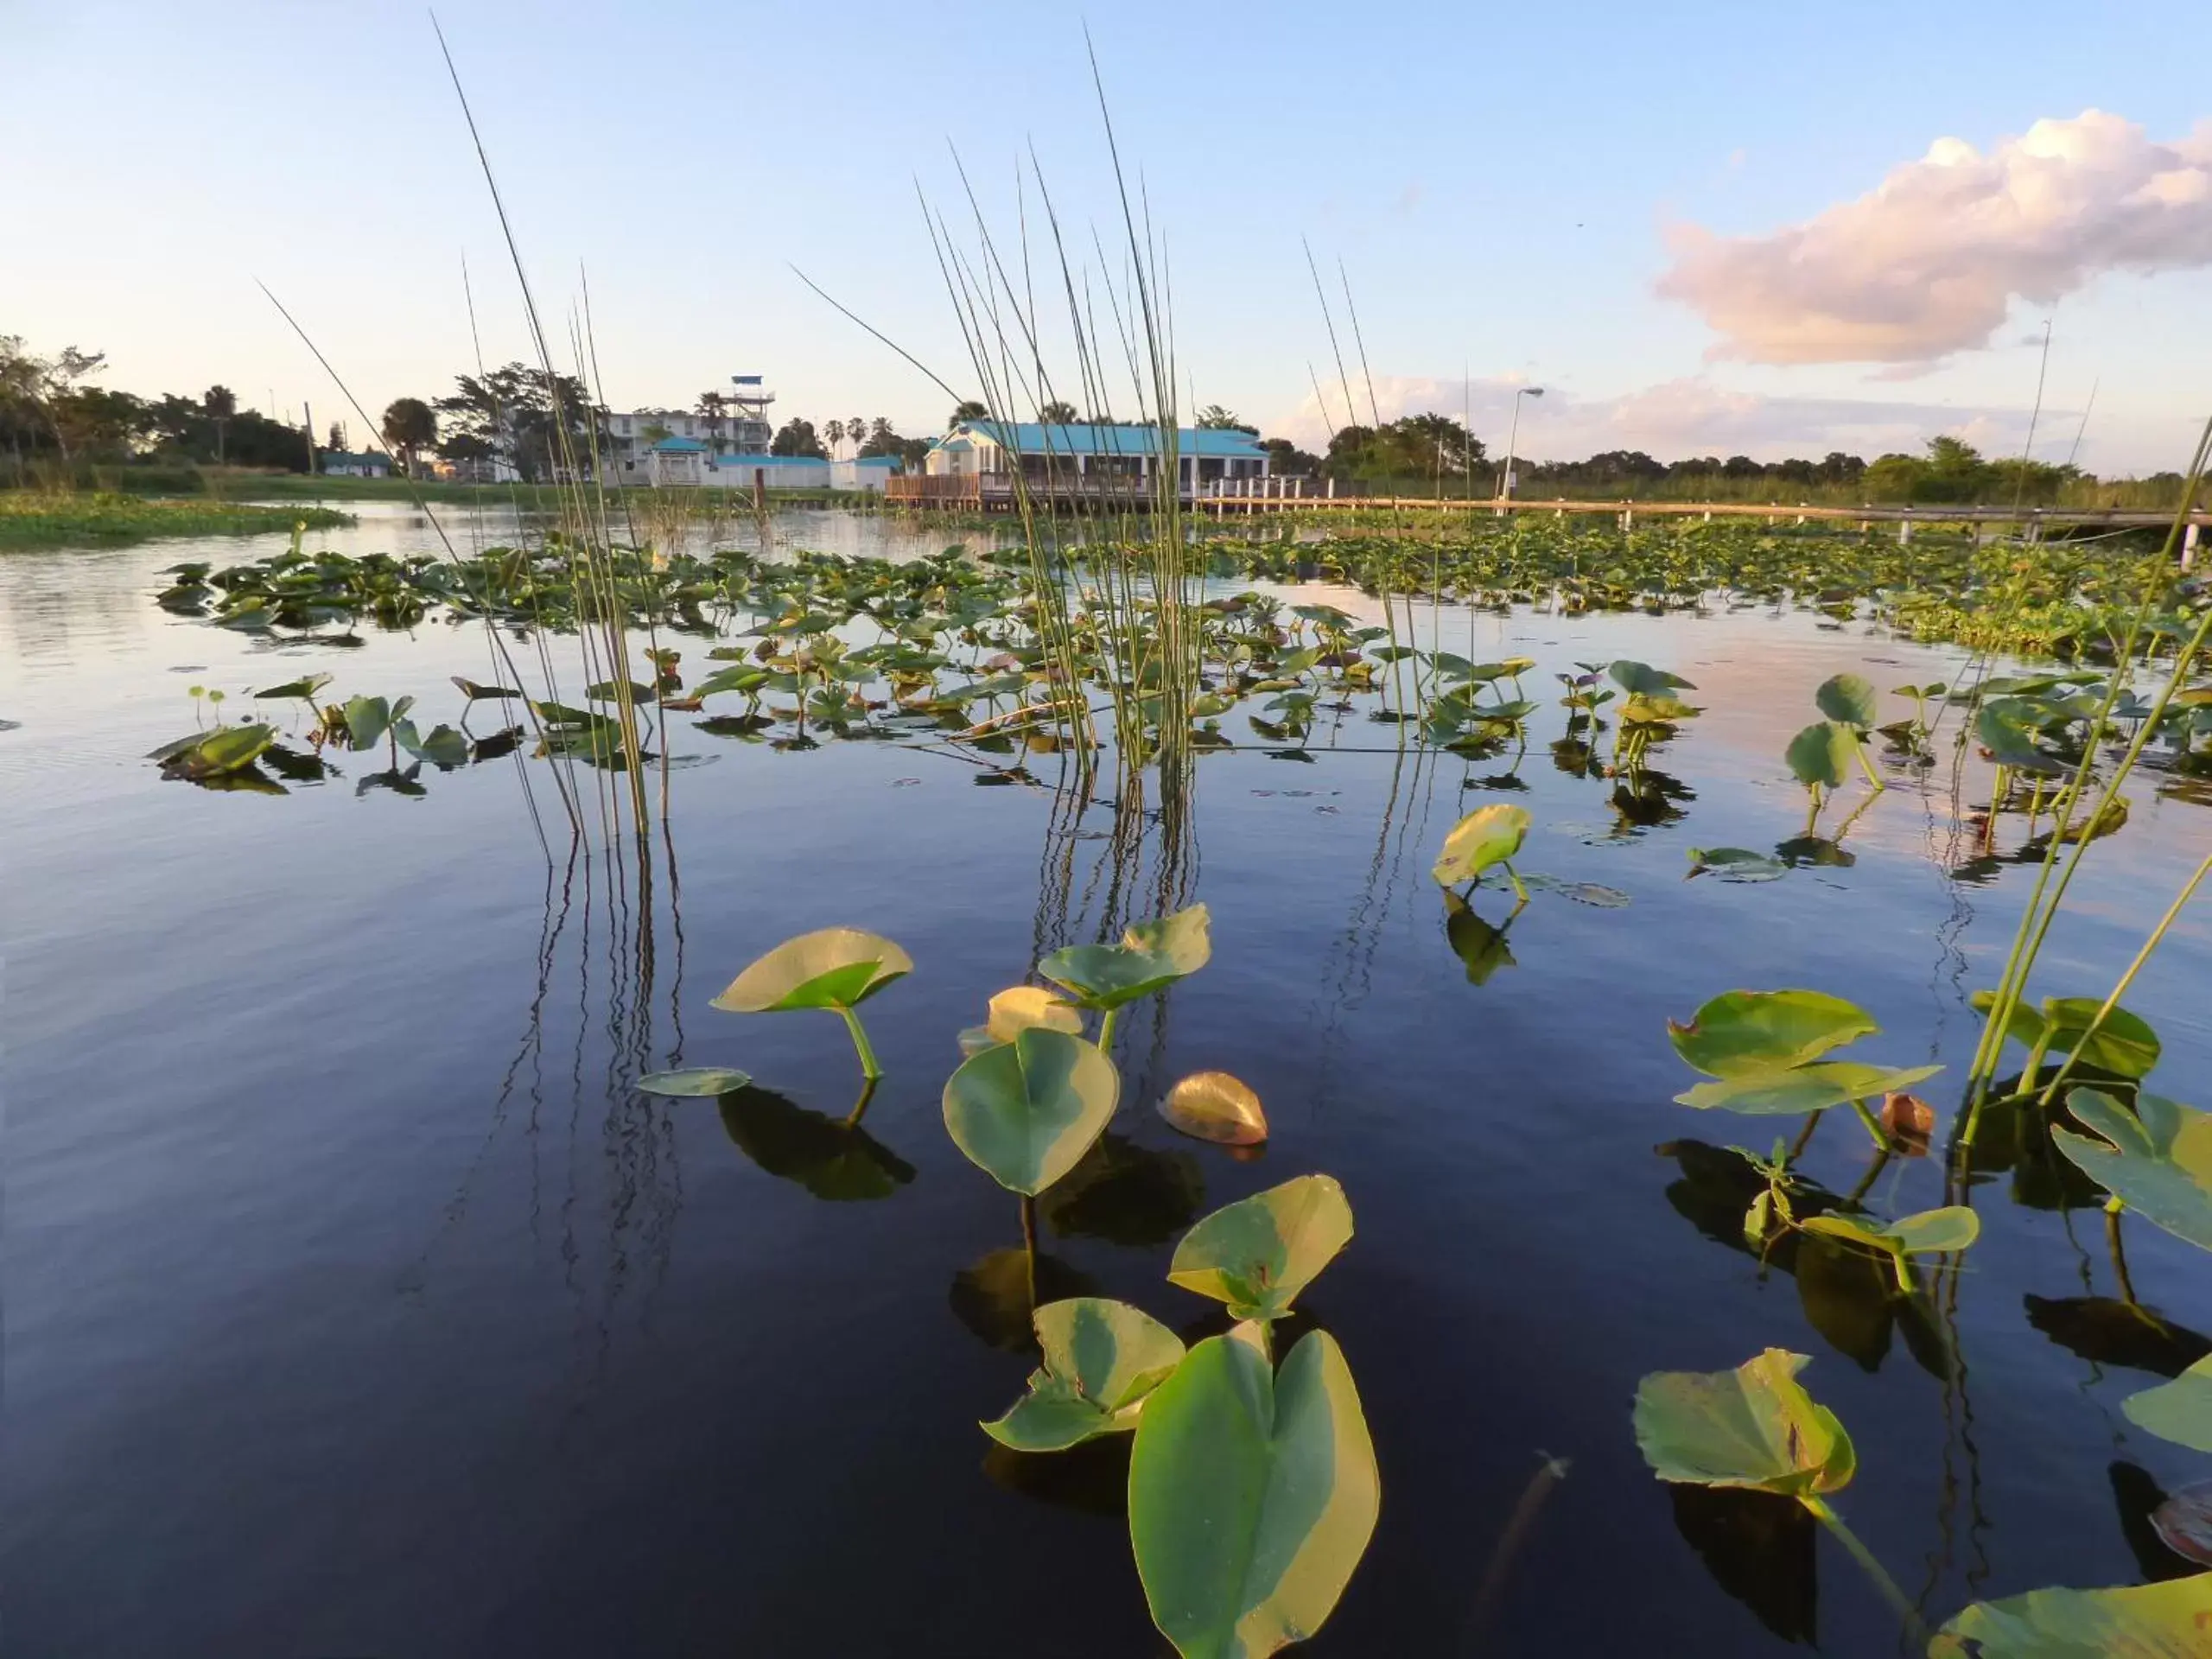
(40, 519)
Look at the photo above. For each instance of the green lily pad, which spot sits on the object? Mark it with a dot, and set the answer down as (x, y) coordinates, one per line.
(1742, 1032)
(1754, 1426)
(1253, 1495)
(1849, 701)
(444, 747)
(1151, 957)
(1025, 1112)
(2158, 1163)
(1257, 1254)
(2180, 1411)
(1013, 1011)
(1642, 680)
(2148, 1621)
(1954, 1227)
(694, 1083)
(1736, 864)
(2123, 1044)
(301, 689)
(834, 968)
(1790, 1091)
(1102, 1358)
(1822, 755)
(224, 751)
(1486, 836)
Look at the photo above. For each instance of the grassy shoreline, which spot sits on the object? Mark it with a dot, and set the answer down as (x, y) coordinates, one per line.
(38, 520)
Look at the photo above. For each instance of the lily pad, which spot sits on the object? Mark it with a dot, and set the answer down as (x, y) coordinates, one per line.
(2122, 1044)
(1742, 1032)
(1217, 1107)
(1017, 1009)
(694, 1083)
(1151, 957)
(1821, 755)
(834, 968)
(2184, 1522)
(2148, 1621)
(1253, 1495)
(1736, 864)
(1954, 1227)
(1486, 836)
(1849, 701)
(1025, 1112)
(1754, 1426)
(1102, 1358)
(2158, 1162)
(1257, 1254)
(1642, 680)
(1791, 1091)
(2180, 1411)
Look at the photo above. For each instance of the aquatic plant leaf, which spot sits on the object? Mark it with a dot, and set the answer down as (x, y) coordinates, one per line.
(1025, 1112)
(2123, 1044)
(1754, 1426)
(1257, 1254)
(2183, 1523)
(1952, 1227)
(1151, 957)
(2180, 1411)
(1735, 864)
(1642, 680)
(1593, 893)
(301, 689)
(1253, 1494)
(368, 719)
(1740, 1032)
(1015, 1010)
(833, 968)
(1487, 836)
(1217, 1107)
(477, 692)
(2158, 1163)
(2011, 740)
(1102, 1358)
(1792, 1090)
(1909, 1122)
(1821, 755)
(694, 1083)
(1849, 701)
(444, 747)
(2149, 1621)
(224, 753)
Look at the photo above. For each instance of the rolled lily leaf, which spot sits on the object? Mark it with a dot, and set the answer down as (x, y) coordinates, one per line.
(2123, 1044)
(1754, 1426)
(834, 968)
(1025, 1112)
(694, 1083)
(2149, 1621)
(1954, 1227)
(1742, 1032)
(1257, 1254)
(1217, 1107)
(1151, 957)
(1849, 701)
(1253, 1495)
(1791, 1091)
(1101, 1358)
(1486, 836)
(2180, 1411)
(2158, 1162)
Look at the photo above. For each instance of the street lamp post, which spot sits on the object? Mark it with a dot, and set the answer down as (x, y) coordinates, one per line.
(1513, 435)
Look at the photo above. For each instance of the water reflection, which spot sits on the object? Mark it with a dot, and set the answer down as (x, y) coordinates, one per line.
(833, 1158)
(1759, 1547)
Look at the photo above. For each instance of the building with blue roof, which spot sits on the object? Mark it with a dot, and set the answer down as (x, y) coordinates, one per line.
(1070, 455)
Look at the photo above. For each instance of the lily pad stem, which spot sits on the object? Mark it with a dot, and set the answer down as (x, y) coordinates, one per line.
(1844, 1535)
(2113, 1207)
(1106, 1030)
(1873, 1127)
(1866, 766)
(1514, 876)
(869, 1068)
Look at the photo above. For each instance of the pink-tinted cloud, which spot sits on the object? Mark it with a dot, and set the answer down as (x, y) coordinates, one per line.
(1929, 261)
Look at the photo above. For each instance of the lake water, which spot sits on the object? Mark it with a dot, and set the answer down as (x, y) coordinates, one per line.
(357, 1305)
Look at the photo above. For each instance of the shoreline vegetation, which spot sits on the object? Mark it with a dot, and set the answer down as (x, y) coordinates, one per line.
(38, 519)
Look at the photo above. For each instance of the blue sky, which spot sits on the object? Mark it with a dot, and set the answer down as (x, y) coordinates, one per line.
(1506, 188)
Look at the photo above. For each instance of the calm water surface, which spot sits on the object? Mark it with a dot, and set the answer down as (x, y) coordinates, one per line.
(356, 1304)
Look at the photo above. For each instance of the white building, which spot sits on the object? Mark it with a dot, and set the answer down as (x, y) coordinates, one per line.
(1069, 455)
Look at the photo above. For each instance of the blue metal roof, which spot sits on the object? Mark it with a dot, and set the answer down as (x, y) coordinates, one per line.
(1031, 438)
(679, 447)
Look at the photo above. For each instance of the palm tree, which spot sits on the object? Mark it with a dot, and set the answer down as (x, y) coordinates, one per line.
(712, 404)
(220, 403)
(968, 410)
(834, 432)
(1057, 414)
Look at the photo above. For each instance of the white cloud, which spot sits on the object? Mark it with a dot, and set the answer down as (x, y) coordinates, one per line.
(1678, 418)
(1929, 261)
